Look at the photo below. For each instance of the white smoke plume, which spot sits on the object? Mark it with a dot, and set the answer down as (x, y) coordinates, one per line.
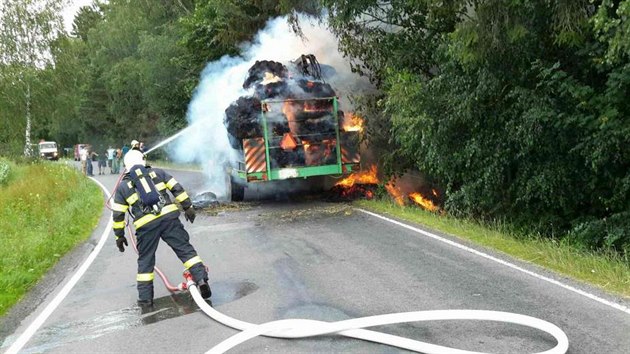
(221, 83)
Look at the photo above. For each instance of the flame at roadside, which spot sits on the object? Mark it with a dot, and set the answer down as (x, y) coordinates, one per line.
(368, 176)
(395, 193)
(420, 200)
(351, 186)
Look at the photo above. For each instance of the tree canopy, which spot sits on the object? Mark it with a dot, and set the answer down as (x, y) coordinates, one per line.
(516, 109)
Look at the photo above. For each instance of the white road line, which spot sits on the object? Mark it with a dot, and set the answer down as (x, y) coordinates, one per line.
(500, 261)
(43, 316)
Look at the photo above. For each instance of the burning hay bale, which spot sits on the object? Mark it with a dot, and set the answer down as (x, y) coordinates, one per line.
(241, 119)
(304, 114)
(269, 79)
(315, 89)
(265, 70)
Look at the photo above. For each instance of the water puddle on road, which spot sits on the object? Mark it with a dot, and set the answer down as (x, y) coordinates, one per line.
(164, 308)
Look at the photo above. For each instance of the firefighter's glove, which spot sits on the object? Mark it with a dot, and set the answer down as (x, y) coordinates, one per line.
(190, 214)
(120, 241)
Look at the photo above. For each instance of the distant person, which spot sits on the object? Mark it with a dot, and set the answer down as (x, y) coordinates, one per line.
(117, 160)
(111, 153)
(125, 149)
(143, 193)
(137, 145)
(83, 156)
(102, 162)
(91, 157)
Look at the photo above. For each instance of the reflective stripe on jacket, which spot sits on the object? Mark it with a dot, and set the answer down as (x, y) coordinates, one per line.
(126, 200)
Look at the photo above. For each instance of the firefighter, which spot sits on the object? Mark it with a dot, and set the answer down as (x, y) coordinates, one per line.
(137, 145)
(155, 222)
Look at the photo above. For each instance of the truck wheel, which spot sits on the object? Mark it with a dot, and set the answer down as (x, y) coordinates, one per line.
(238, 191)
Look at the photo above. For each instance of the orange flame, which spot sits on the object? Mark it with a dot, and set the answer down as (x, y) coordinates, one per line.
(363, 177)
(352, 123)
(422, 201)
(288, 110)
(317, 106)
(395, 193)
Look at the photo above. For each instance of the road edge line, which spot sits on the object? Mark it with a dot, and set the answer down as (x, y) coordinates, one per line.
(500, 261)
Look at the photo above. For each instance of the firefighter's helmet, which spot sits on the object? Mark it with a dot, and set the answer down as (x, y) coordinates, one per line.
(132, 158)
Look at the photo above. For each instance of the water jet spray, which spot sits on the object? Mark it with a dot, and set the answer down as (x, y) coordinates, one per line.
(171, 138)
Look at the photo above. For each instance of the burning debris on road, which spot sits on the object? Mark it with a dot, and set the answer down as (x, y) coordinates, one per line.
(364, 184)
(359, 185)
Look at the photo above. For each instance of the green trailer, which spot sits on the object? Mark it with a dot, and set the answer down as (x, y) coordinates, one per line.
(299, 138)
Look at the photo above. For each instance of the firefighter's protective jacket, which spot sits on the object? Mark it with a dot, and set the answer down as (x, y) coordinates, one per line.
(126, 199)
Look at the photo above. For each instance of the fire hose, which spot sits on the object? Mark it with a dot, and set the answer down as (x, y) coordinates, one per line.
(354, 328)
(303, 328)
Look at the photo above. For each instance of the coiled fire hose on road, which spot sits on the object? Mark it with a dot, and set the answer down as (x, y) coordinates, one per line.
(354, 328)
(302, 328)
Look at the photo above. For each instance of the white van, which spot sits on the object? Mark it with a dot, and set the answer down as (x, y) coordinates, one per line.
(48, 150)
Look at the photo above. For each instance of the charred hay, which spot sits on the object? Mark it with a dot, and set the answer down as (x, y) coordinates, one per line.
(310, 119)
(256, 73)
(242, 118)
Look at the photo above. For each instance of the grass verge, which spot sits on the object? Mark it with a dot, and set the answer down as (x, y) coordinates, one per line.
(608, 272)
(46, 209)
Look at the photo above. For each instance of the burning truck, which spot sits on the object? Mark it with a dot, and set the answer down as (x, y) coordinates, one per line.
(291, 126)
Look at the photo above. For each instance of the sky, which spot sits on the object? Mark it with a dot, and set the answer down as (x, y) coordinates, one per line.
(71, 10)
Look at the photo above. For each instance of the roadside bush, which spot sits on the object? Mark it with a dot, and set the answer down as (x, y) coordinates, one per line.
(608, 233)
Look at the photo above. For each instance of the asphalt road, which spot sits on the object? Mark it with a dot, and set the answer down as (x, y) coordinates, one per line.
(316, 260)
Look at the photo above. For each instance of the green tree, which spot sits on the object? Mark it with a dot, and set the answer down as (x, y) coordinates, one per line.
(27, 29)
(519, 109)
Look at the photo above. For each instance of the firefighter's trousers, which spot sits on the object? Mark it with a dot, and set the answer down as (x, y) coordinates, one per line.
(171, 230)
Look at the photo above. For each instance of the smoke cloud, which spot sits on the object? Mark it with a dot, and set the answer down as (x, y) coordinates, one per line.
(221, 83)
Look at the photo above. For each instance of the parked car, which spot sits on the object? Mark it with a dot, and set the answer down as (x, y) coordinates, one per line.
(48, 150)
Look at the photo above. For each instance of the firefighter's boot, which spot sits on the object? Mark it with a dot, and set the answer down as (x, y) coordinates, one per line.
(146, 306)
(204, 288)
(199, 273)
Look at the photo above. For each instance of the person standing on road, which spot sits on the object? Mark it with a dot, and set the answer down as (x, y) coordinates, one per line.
(83, 156)
(102, 162)
(125, 149)
(117, 160)
(91, 156)
(155, 219)
(111, 153)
